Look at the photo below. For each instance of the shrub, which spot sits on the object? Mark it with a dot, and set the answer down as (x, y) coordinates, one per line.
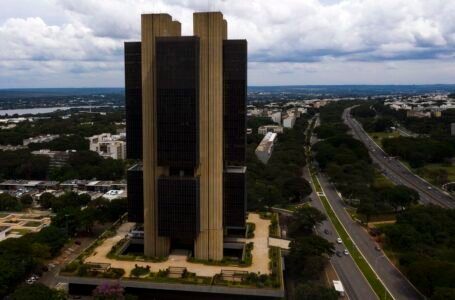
(140, 271)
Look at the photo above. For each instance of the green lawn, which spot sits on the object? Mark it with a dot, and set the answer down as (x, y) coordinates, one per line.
(381, 181)
(429, 170)
(379, 136)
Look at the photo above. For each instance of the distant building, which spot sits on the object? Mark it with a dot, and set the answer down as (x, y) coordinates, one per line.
(289, 122)
(107, 145)
(270, 128)
(436, 114)
(276, 117)
(417, 114)
(302, 110)
(114, 194)
(25, 184)
(57, 159)
(265, 148)
(316, 104)
(11, 147)
(40, 139)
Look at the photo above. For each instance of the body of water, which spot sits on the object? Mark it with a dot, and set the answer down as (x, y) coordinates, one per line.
(38, 110)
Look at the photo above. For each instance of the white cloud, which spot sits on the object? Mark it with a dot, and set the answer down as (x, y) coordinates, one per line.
(293, 36)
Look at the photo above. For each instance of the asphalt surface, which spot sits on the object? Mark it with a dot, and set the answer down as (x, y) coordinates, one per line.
(394, 280)
(395, 170)
(355, 284)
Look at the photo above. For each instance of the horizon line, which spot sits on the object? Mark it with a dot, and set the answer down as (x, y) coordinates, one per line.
(278, 85)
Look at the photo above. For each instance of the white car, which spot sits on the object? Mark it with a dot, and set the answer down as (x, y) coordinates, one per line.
(339, 241)
(346, 252)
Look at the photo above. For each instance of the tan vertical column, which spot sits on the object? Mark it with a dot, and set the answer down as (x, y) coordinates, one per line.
(153, 25)
(211, 28)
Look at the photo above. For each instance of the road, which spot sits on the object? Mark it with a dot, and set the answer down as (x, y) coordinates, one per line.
(395, 281)
(395, 170)
(355, 284)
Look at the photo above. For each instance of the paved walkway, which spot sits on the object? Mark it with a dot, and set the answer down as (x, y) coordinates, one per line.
(260, 254)
(280, 243)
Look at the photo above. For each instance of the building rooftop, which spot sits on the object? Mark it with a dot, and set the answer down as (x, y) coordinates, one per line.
(260, 263)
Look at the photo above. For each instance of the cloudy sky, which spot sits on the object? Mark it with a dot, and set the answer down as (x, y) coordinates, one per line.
(79, 43)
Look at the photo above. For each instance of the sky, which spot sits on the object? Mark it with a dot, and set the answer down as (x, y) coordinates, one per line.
(79, 43)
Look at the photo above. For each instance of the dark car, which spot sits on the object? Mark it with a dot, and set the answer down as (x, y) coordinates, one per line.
(339, 254)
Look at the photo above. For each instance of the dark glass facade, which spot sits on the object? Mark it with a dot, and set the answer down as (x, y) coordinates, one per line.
(135, 191)
(178, 206)
(234, 197)
(234, 98)
(133, 100)
(177, 69)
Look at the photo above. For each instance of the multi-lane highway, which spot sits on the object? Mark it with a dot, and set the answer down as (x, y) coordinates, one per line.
(395, 170)
(392, 278)
(355, 284)
(396, 283)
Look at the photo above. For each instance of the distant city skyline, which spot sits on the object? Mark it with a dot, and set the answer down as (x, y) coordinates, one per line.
(63, 43)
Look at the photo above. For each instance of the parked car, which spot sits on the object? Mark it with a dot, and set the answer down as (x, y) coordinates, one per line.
(377, 248)
(339, 254)
(346, 252)
(339, 241)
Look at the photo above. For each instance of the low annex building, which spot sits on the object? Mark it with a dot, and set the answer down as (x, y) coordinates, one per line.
(265, 148)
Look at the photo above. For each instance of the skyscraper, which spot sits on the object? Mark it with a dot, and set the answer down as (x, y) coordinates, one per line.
(185, 108)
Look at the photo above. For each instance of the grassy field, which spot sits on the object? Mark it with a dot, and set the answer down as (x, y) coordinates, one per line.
(363, 265)
(381, 181)
(429, 170)
(379, 136)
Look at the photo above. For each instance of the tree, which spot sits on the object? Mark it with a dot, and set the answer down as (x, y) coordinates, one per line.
(306, 256)
(382, 124)
(312, 291)
(53, 237)
(9, 203)
(296, 188)
(304, 219)
(45, 200)
(444, 293)
(108, 292)
(400, 197)
(87, 219)
(26, 200)
(367, 209)
(311, 245)
(37, 291)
